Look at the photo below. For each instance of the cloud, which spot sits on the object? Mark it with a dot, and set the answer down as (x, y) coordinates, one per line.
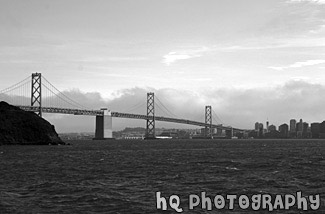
(298, 64)
(174, 56)
(308, 1)
(238, 107)
(294, 99)
(306, 63)
(199, 79)
(320, 30)
(112, 59)
(234, 106)
(18, 61)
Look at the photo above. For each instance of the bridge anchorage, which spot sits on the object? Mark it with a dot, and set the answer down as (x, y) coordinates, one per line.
(104, 125)
(46, 98)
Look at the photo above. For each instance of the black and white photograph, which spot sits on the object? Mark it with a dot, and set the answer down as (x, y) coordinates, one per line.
(162, 106)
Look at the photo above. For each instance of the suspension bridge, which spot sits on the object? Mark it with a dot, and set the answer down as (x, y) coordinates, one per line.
(38, 95)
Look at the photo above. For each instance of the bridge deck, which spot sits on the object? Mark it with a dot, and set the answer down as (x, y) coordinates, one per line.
(121, 115)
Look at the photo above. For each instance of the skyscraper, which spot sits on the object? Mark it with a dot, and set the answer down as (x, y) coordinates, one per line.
(293, 125)
(322, 130)
(260, 130)
(283, 129)
(299, 128)
(272, 128)
(305, 131)
(257, 124)
(315, 130)
(292, 131)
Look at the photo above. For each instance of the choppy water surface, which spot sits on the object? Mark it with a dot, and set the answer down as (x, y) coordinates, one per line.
(123, 176)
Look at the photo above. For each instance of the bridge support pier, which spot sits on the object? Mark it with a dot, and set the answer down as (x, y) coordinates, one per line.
(104, 126)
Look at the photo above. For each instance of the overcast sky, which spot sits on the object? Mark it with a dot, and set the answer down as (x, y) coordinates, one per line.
(251, 60)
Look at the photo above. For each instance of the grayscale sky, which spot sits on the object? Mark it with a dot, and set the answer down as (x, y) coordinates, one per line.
(251, 60)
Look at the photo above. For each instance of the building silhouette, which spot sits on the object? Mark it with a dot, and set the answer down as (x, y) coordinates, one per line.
(272, 128)
(295, 129)
(322, 130)
(299, 128)
(260, 130)
(292, 131)
(293, 125)
(314, 127)
(306, 133)
(284, 130)
(257, 124)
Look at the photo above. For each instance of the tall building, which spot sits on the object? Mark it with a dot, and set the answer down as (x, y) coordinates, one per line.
(314, 130)
(284, 130)
(257, 124)
(272, 128)
(322, 130)
(305, 127)
(299, 126)
(305, 130)
(267, 126)
(293, 125)
(260, 130)
(299, 129)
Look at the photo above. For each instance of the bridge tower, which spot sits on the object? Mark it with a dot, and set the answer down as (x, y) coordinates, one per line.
(36, 98)
(150, 131)
(208, 122)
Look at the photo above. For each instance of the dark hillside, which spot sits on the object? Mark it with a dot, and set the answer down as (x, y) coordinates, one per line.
(25, 128)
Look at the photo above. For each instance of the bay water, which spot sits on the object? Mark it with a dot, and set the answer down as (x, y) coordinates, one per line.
(123, 176)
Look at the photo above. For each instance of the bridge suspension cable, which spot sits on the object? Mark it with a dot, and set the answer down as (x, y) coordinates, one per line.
(56, 102)
(218, 120)
(15, 86)
(168, 112)
(21, 94)
(221, 122)
(53, 93)
(136, 107)
(18, 93)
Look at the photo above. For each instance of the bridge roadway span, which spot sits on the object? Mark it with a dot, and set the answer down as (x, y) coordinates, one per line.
(121, 115)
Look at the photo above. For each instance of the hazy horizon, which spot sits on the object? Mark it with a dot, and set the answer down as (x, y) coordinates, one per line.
(250, 60)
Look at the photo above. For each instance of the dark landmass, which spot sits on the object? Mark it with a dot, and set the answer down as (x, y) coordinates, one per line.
(19, 127)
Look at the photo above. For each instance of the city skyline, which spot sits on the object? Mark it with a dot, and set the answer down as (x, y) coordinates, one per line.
(294, 129)
(266, 122)
(249, 60)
